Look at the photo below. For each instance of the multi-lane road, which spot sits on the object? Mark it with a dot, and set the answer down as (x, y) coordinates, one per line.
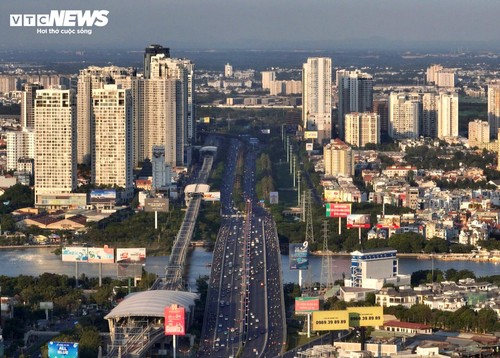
(244, 311)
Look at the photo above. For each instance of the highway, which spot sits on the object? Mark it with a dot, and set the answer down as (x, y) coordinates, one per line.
(245, 310)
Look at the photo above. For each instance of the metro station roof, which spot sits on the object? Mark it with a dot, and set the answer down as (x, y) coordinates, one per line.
(197, 188)
(151, 303)
(208, 148)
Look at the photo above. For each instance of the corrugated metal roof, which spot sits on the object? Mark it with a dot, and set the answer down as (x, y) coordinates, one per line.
(151, 303)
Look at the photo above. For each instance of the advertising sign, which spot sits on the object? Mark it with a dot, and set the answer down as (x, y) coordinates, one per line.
(389, 222)
(156, 204)
(338, 210)
(265, 131)
(306, 304)
(102, 196)
(174, 321)
(358, 221)
(75, 254)
(332, 195)
(103, 255)
(310, 135)
(47, 305)
(131, 255)
(366, 316)
(273, 197)
(299, 256)
(330, 320)
(309, 146)
(211, 196)
(63, 350)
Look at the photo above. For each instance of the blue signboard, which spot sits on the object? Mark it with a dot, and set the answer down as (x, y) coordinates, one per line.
(63, 350)
(299, 256)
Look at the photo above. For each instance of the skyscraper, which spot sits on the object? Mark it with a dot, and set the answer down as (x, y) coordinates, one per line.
(355, 92)
(317, 96)
(362, 128)
(338, 158)
(447, 108)
(429, 123)
(20, 144)
(112, 152)
(404, 115)
(228, 70)
(55, 138)
(150, 51)
(267, 78)
(494, 108)
(28, 104)
(479, 132)
(162, 173)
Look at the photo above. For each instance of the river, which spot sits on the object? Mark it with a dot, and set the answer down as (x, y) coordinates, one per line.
(35, 261)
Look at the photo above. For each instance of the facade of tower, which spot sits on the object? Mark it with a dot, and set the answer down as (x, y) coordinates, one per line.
(381, 107)
(112, 153)
(362, 128)
(150, 51)
(267, 78)
(55, 139)
(228, 70)
(494, 108)
(28, 104)
(20, 144)
(429, 123)
(355, 93)
(317, 96)
(447, 109)
(162, 173)
(89, 79)
(404, 115)
(339, 159)
(479, 132)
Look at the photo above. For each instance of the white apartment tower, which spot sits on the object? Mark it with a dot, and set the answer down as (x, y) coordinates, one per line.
(267, 78)
(113, 143)
(494, 108)
(55, 139)
(479, 132)
(28, 104)
(317, 96)
(447, 109)
(228, 70)
(339, 159)
(362, 128)
(20, 144)
(355, 94)
(404, 115)
(162, 173)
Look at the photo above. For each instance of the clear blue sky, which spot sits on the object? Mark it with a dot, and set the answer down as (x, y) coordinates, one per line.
(265, 23)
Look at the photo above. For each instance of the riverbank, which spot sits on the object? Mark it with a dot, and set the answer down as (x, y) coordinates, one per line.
(482, 256)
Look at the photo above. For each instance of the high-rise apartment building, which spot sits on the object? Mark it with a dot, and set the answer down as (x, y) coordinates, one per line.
(479, 132)
(381, 107)
(355, 93)
(267, 78)
(431, 73)
(89, 79)
(447, 109)
(440, 76)
(317, 96)
(162, 173)
(429, 123)
(55, 142)
(20, 144)
(113, 143)
(228, 70)
(404, 115)
(338, 158)
(28, 104)
(494, 108)
(362, 128)
(150, 51)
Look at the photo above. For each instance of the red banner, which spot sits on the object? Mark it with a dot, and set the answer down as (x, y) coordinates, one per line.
(338, 210)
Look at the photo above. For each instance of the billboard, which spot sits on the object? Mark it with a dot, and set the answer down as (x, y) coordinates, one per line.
(306, 304)
(205, 120)
(48, 305)
(131, 255)
(330, 320)
(265, 131)
(103, 255)
(75, 254)
(358, 221)
(299, 256)
(310, 135)
(332, 195)
(338, 210)
(174, 321)
(273, 197)
(102, 196)
(75, 200)
(211, 196)
(309, 146)
(388, 221)
(63, 350)
(366, 316)
(156, 204)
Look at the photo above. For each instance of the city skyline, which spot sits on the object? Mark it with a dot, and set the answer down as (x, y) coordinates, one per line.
(221, 24)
